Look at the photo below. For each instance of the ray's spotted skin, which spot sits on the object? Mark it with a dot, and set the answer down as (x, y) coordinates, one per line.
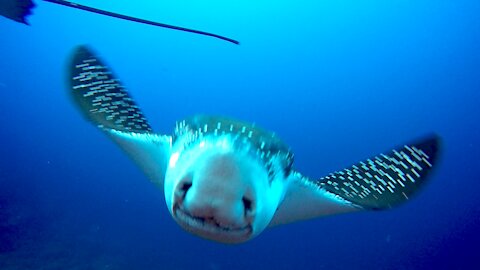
(227, 180)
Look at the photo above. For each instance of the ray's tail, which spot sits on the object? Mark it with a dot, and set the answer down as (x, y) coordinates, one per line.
(133, 19)
(18, 10)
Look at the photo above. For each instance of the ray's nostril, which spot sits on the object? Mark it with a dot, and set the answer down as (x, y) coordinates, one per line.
(247, 204)
(182, 188)
(185, 187)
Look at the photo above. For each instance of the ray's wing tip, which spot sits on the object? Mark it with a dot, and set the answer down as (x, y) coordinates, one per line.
(431, 145)
(78, 55)
(388, 180)
(100, 96)
(82, 51)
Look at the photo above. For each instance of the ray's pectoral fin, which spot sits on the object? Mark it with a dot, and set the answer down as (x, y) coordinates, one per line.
(105, 102)
(378, 183)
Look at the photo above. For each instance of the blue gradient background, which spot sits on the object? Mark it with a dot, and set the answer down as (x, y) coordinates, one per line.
(339, 81)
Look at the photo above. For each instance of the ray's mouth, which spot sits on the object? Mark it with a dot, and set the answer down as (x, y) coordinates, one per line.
(209, 227)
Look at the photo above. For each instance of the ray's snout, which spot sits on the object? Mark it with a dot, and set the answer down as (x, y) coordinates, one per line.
(214, 203)
(217, 193)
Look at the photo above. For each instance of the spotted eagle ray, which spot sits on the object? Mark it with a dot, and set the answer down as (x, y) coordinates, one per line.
(228, 180)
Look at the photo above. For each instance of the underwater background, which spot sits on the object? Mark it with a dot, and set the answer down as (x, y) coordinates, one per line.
(338, 81)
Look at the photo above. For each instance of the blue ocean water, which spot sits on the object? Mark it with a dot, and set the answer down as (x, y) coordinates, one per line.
(339, 81)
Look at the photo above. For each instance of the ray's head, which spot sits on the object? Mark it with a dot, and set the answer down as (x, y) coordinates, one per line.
(219, 192)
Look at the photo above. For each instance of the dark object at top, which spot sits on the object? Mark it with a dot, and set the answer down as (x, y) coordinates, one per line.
(17, 10)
